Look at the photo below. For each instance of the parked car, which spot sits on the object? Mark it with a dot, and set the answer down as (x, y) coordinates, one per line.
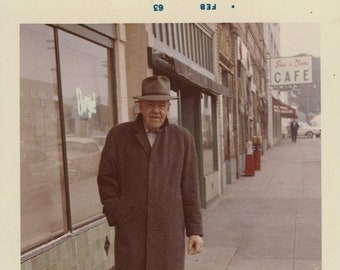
(39, 173)
(83, 156)
(304, 130)
(36, 163)
(309, 131)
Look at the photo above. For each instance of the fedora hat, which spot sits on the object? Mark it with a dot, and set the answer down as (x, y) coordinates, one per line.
(155, 88)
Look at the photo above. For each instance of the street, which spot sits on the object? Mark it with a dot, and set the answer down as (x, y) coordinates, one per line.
(270, 221)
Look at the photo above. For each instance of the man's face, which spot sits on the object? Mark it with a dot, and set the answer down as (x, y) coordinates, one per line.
(154, 112)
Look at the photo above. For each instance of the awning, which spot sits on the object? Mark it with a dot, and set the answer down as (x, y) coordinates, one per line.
(284, 110)
(184, 71)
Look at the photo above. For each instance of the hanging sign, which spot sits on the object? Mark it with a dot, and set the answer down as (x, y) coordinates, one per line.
(290, 70)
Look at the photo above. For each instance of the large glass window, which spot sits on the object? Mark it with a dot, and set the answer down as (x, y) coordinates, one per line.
(88, 117)
(74, 115)
(42, 179)
(209, 160)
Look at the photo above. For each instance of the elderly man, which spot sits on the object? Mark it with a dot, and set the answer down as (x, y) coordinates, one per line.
(148, 185)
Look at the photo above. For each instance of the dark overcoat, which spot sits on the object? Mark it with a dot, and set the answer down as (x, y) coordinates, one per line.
(150, 194)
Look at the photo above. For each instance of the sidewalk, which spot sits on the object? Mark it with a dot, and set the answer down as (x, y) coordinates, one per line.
(270, 221)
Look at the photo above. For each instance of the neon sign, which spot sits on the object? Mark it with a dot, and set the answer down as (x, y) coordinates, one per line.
(86, 104)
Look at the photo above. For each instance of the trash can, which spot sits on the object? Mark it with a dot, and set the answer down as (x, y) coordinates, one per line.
(257, 144)
(250, 168)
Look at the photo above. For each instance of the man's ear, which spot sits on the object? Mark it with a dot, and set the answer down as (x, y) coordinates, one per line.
(139, 102)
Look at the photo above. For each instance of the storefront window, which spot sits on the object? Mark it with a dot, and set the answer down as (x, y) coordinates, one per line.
(207, 134)
(41, 167)
(88, 117)
(74, 115)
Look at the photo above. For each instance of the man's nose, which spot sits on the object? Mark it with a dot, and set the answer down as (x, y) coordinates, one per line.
(156, 107)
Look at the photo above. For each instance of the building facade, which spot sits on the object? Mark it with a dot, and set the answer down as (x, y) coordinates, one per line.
(242, 53)
(77, 81)
(272, 43)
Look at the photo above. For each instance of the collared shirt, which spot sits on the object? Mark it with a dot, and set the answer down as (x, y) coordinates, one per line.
(151, 135)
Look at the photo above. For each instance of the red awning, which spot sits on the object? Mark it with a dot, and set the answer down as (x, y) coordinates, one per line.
(284, 110)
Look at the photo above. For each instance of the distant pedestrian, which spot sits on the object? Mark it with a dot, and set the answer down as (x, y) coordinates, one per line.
(148, 185)
(294, 126)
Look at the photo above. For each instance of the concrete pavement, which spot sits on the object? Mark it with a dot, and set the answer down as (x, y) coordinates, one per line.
(270, 221)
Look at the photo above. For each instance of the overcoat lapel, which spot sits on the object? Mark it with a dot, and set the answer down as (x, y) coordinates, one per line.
(144, 142)
(141, 135)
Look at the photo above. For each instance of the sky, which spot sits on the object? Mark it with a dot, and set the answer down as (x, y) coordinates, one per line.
(299, 38)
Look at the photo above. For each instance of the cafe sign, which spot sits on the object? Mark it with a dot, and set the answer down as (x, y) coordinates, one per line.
(290, 70)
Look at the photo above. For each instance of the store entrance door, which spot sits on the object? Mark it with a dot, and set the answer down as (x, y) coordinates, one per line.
(191, 119)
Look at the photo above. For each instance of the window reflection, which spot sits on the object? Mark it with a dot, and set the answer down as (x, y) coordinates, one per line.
(88, 117)
(41, 170)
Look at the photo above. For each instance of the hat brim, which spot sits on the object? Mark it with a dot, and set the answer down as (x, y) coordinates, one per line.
(155, 97)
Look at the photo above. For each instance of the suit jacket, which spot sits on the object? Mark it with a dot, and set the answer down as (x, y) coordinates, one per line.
(294, 126)
(150, 195)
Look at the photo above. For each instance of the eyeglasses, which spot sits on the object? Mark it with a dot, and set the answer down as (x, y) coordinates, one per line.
(161, 105)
